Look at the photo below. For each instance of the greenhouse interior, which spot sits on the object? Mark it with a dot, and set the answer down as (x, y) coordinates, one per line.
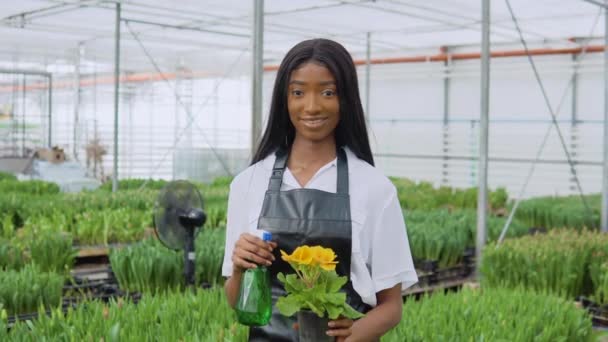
(123, 124)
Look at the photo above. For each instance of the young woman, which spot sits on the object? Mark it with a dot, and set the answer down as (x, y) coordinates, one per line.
(313, 181)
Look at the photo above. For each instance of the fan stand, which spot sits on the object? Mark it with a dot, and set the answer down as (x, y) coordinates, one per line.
(191, 220)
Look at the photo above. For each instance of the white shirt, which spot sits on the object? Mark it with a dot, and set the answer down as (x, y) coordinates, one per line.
(381, 256)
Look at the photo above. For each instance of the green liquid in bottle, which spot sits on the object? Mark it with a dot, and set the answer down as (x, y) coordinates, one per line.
(254, 306)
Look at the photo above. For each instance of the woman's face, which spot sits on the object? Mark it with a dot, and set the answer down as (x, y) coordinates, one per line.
(312, 101)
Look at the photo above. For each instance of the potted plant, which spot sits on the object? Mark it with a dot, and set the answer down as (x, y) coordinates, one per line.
(313, 292)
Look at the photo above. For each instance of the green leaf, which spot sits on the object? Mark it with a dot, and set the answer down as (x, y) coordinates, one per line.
(335, 298)
(351, 313)
(114, 333)
(336, 283)
(293, 284)
(289, 305)
(316, 309)
(333, 311)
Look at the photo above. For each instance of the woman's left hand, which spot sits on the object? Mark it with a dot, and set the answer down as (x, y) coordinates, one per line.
(340, 328)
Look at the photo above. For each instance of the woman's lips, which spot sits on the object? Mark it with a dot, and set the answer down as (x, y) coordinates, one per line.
(313, 122)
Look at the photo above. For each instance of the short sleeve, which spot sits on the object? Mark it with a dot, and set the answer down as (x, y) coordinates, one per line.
(391, 258)
(236, 223)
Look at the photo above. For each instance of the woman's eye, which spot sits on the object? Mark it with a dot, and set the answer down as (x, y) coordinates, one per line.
(329, 93)
(297, 92)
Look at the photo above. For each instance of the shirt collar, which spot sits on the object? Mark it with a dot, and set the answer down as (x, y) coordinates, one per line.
(353, 161)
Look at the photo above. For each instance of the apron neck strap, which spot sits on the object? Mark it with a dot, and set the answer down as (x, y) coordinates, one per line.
(342, 186)
(276, 178)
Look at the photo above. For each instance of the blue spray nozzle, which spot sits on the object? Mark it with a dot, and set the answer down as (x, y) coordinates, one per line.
(266, 236)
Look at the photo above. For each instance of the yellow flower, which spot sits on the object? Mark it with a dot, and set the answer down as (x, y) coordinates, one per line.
(301, 255)
(324, 257)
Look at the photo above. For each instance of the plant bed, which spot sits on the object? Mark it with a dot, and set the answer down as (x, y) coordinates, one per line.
(492, 315)
(420, 289)
(67, 304)
(537, 230)
(560, 262)
(429, 273)
(598, 312)
(201, 315)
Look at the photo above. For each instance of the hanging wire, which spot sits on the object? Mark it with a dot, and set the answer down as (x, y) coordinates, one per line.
(554, 121)
(191, 118)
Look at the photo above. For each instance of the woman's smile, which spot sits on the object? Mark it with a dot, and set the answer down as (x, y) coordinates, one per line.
(314, 122)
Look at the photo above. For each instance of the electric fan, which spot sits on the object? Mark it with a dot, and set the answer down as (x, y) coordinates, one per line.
(178, 217)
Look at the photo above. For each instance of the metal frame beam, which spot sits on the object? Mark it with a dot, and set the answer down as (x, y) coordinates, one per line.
(597, 3)
(604, 210)
(182, 27)
(482, 193)
(116, 94)
(258, 73)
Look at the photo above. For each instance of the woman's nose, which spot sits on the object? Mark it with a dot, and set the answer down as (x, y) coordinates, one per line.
(312, 104)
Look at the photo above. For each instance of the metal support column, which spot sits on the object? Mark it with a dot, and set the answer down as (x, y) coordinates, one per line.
(574, 120)
(258, 70)
(482, 195)
(574, 110)
(368, 54)
(604, 216)
(116, 97)
(23, 115)
(50, 109)
(77, 95)
(446, 118)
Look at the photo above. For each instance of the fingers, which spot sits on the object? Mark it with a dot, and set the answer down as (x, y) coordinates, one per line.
(341, 323)
(241, 264)
(250, 251)
(340, 328)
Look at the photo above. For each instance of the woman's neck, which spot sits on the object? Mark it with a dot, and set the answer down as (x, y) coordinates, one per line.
(308, 152)
(307, 157)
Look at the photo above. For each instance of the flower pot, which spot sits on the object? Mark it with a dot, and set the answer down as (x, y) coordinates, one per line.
(312, 328)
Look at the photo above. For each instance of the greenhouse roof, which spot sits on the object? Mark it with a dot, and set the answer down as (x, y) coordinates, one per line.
(206, 34)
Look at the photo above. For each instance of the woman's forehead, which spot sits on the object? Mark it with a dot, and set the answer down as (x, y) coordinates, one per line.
(310, 72)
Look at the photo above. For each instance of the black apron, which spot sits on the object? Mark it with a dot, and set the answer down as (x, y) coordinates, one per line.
(305, 217)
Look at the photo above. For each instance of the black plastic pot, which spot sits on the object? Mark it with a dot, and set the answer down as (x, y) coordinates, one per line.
(312, 328)
(428, 265)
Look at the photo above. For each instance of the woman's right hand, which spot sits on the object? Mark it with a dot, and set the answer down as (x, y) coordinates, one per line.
(250, 251)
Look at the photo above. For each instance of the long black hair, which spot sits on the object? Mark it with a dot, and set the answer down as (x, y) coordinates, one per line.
(351, 130)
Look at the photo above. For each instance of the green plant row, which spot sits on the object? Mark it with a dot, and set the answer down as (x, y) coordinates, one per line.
(147, 267)
(424, 196)
(34, 187)
(17, 209)
(559, 212)
(7, 176)
(151, 267)
(25, 290)
(11, 256)
(492, 315)
(557, 262)
(598, 269)
(94, 227)
(157, 184)
(93, 217)
(202, 315)
(135, 184)
(444, 235)
(49, 251)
